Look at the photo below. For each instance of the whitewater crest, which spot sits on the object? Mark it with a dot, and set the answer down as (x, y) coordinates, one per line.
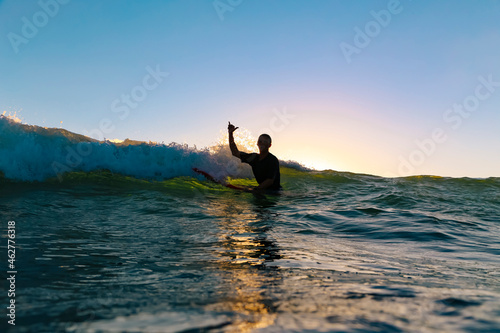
(34, 153)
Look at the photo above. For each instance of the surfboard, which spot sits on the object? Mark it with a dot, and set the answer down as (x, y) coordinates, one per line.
(212, 179)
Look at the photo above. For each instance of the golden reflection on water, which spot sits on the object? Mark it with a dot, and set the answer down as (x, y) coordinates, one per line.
(243, 253)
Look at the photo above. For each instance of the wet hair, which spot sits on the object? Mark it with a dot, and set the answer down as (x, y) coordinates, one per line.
(268, 138)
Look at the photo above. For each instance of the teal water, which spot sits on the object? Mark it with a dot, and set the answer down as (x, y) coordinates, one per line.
(335, 252)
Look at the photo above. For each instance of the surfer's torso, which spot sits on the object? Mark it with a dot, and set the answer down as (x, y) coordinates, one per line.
(266, 168)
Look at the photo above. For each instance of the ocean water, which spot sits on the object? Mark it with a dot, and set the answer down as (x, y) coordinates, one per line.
(127, 238)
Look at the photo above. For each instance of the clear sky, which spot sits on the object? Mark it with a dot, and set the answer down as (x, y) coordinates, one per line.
(390, 88)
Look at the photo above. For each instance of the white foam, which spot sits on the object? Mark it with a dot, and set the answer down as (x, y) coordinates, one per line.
(33, 153)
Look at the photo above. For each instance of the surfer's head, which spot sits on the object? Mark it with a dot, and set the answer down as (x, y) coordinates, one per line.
(264, 142)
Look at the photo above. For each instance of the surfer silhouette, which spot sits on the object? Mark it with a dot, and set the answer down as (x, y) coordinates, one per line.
(265, 166)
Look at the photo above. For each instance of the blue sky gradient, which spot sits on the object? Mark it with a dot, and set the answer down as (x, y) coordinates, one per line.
(267, 65)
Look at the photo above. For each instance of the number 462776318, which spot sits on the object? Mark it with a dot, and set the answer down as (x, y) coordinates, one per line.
(11, 244)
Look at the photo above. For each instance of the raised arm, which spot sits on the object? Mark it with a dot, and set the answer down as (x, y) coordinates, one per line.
(232, 145)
